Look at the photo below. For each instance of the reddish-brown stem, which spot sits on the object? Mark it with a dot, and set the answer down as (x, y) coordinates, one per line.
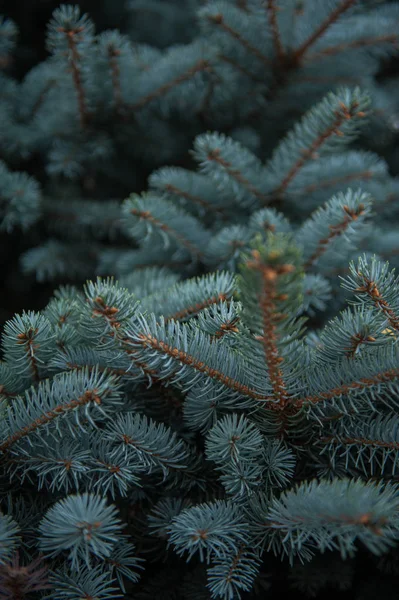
(195, 363)
(192, 310)
(391, 38)
(271, 317)
(149, 217)
(278, 45)
(371, 289)
(345, 389)
(215, 156)
(115, 74)
(356, 341)
(201, 65)
(240, 68)
(44, 419)
(335, 231)
(219, 20)
(192, 198)
(332, 17)
(342, 114)
(28, 340)
(323, 183)
(360, 441)
(77, 78)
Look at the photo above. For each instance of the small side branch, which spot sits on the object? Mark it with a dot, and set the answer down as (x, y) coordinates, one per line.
(113, 54)
(332, 18)
(278, 45)
(335, 231)
(345, 389)
(343, 114)
(88, 397)
(362, 43)
(201, 65)
(192, 310)
(371, 289)
(195, 363)
(77, 77)
(163, 227)
(271, 317)
(28, 340)
(219, 20)
(215, 156)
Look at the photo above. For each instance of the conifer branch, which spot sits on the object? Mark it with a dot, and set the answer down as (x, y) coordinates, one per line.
(76, 75)
(351, 214)
(215, 156)
(349, 441)
(371, 289)
(332, 18)
(218, 19)
(88, 397)
(192, 310)
(278, 45)
(201, 65)
(27, 338)
(227, 327)
(362, 43)
(147, 216)
(240, 68)
(198, 365)
(113, 54)
(195, 199)
(271, 317)
(325, 183)
(346, 388)
(342, 115)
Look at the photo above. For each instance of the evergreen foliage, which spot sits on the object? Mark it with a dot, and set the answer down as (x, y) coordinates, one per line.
(210, 397)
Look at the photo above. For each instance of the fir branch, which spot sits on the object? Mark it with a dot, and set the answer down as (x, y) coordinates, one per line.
(270, 317)
(84, 525)
(188, 298)
(219, 20)
(198, 365)
(332, 18)
(28, 342)
(17, 581)
(151, 444)
(345, 389)
(66, 394)
(212, 530)
(362, 43)
(336, 514)
(341, 219)
(272, 9)
(370, 288)
(270, 286)
(201, 65)
(68, 33)
(240, 68)
(232, 574)
(216, 156)
(81, 583)
(236, 171)
(371, 445)
(150, 215)
(77, 78)
(184, 344)
(342, 116)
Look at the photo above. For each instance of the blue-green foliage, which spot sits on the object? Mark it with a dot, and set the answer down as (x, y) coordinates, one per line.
(216, 381)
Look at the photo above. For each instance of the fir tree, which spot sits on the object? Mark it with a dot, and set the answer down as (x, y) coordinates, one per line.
(214, 387)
